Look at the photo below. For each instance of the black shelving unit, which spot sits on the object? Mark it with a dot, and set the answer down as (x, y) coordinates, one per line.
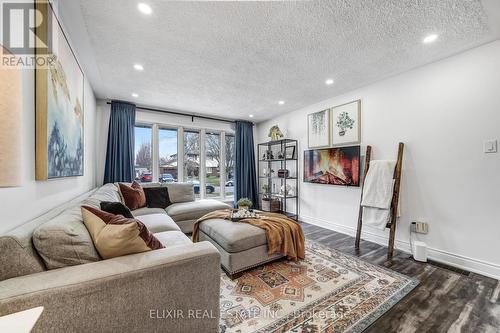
(289, 204)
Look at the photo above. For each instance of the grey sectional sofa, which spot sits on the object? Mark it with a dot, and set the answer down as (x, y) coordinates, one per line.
(185, 210)
(52, 262)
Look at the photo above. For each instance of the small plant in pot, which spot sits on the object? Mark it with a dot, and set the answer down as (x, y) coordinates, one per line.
(244, 204)
(344, 122)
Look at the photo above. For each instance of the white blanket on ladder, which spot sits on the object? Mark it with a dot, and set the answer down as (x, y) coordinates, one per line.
(377, 194)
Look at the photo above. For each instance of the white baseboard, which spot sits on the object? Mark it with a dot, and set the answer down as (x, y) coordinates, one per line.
(469, 264)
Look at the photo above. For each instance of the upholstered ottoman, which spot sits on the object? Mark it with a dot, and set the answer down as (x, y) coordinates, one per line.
(242, 246)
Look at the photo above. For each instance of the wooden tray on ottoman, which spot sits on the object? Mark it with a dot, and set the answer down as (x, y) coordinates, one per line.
(236, 215)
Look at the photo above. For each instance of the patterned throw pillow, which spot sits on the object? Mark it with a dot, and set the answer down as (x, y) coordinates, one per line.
(133, 195)
(116, 236)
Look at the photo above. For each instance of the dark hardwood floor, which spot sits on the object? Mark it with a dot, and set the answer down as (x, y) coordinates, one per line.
(444, 301)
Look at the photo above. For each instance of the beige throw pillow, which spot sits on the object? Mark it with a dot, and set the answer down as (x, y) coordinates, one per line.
(116, 236)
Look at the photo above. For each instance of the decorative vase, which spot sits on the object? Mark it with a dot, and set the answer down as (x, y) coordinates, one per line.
(244, 208)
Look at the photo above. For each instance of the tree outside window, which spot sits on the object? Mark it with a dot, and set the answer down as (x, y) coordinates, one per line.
(143, 159)
(192, 159)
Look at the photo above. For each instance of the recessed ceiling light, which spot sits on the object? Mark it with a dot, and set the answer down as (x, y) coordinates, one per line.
(329, 82)
(430, 38)
(135, 95)
(138, 67)
(144, 8)
(250, 115)
(281, 102)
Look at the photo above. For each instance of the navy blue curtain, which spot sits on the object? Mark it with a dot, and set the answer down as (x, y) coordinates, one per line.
(246, 179)
(120, 153)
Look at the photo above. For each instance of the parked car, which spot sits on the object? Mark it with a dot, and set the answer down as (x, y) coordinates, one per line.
(167, 178)
(147, 177)
(209, 188)
(230, 182)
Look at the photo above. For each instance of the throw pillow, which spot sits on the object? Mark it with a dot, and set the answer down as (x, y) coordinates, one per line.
(116, 208)
(157, 197)
(180, 192)
(133, 195)
(116, 236)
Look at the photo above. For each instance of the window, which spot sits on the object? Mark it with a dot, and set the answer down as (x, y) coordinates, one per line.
(192, 159)
(212, 164)
(168, 166)
(143, 153)
(167, 154)
(229, 165)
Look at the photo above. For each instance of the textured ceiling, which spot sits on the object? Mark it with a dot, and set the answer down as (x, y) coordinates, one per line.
(232, 59)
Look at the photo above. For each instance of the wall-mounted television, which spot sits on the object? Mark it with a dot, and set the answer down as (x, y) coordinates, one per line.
(333, 166)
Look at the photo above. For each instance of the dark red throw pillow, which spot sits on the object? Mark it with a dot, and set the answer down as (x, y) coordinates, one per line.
(133, 195)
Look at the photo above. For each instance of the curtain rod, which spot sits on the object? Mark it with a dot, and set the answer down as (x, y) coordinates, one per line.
(192, 116)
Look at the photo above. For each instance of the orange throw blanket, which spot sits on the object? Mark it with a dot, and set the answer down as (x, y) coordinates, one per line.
(284, 235)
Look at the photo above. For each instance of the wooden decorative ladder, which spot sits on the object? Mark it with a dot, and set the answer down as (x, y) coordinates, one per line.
(394, 203)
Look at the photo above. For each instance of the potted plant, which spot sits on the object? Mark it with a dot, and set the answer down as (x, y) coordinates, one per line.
(266, 189)
(244, 204)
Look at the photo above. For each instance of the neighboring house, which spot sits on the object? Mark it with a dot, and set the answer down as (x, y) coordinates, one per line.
(170, 168)
(192, 162)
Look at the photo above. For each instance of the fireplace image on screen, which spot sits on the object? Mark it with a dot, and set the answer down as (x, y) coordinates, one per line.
(333, 166)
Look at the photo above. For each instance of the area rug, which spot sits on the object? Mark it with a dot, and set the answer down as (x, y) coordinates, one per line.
(327, 292)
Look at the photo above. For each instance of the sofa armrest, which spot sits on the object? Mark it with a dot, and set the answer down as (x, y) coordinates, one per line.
(172, 290)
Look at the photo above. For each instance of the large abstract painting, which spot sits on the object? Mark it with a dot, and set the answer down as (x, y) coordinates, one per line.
(59, 106)
(333, 166)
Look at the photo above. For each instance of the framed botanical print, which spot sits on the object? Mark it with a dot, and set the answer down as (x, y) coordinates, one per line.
(59, 89)
(318, 129)
(346, 124)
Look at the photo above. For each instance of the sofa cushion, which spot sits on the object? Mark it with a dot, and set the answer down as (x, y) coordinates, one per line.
(234, 236)
(64, 241)
(17, 258)
(116, 236)
(180, 192)
(158, 222)
(195, 209)
(148, 211)
(108, 192)
(173, 238)
(116, 208)
(157, 197)
(18, 255)
(133, 195)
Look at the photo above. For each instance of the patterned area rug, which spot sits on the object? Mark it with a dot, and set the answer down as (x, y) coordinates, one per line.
(327, 292)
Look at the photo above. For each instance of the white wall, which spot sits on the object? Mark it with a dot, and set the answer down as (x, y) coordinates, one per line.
(33, 198)
(442, 112)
